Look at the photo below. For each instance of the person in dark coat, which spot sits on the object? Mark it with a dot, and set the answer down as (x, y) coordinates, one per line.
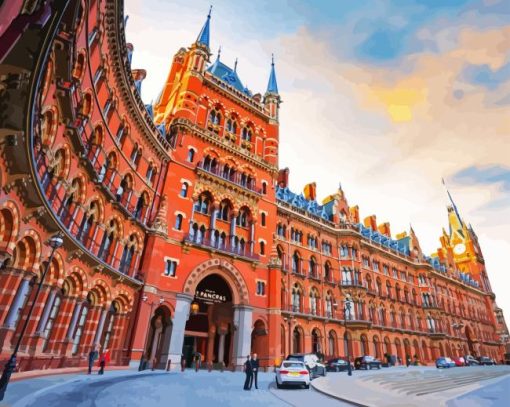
(249, 373)
(103, 360)
(255, 369)
(93, 355)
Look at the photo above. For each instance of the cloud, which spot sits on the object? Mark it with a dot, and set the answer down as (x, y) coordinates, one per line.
(388, 131)
(493, 174)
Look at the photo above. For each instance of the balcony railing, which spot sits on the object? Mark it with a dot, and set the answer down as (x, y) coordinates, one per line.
(228, 245)
(235, 178)
(351, 283)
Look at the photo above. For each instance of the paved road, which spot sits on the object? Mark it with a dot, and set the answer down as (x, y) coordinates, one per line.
(157, 389)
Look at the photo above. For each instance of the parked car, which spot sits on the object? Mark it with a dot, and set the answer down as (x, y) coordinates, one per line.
(460, 361)
(367, 362)
(444, 362)
(471, 361)
(292, 373)
(311, 362)
(486, 361)
(337, 365)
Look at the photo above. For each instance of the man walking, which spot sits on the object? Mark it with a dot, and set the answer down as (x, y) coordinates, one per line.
(249, 373)
(255, 369)
(93, 355)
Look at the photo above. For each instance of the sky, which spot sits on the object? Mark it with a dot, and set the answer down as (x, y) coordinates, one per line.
(392, 95)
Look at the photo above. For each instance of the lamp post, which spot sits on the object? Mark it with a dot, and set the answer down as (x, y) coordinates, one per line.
(347, 309)
(151, 304)
(55, 242)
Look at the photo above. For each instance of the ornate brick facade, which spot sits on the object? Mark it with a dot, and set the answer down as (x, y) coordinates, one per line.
(181, 235)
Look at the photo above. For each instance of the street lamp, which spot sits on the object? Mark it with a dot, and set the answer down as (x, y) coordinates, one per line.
(151, 303)
(347, 309)
(55, 242)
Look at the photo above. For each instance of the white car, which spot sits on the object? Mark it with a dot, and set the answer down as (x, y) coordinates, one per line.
(294, 373)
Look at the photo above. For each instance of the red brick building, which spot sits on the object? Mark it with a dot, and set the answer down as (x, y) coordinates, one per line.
(180, 233)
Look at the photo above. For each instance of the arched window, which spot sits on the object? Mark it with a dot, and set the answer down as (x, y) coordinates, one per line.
(296, 299)
(224, 210)
(313, 267)
(246, 134)
(134, 153)
(242, 218)
(314, 299)
(55, 307)
(263, 219)
(264, 187)
(296, 263)
(184, 190)
(178, 222)
(327, 272)
(191, 155)
(202, 204)
(81, 323)
(148, 175)
(112, 314)
(262, 248)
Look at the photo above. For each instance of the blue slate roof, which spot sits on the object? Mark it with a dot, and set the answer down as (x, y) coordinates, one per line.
(401, 245)
(300, 202)
(228, 75)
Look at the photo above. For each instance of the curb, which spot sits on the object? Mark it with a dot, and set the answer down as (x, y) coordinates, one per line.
(354, 403)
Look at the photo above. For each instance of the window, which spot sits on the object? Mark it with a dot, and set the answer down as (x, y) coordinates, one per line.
(264, 188)
(178, 222)
(170, 268)
(184, 190)
(202, 204)
(263, 219)
(191, 155)
(344, 251)
(261, 288)
(51, 321)
(375, 265)
(262, 248)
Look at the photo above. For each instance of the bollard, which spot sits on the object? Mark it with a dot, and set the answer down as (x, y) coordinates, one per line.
(168, 364)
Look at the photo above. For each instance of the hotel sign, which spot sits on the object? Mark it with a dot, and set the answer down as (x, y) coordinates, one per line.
(209, 296)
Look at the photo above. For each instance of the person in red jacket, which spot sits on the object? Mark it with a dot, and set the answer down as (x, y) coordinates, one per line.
(103, 360)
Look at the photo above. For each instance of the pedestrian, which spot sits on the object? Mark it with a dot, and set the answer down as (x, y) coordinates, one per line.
(183, 362)
(255, 369)
(408, 360)
(93, 355)
(103, 360)
(399, 360)
(249, 373)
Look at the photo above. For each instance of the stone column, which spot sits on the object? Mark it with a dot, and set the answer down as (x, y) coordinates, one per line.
(232, 231)
(17, 303)
(100, 326)
(210, 344)
(242, 344)
(221, 348)
(182, 307)
(74, 320)
(252, 236)
(46, 312)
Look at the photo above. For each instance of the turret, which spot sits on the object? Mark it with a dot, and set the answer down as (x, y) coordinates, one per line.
(200, 52)
(272, 99)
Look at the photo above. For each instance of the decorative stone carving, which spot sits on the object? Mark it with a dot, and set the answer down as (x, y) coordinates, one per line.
(160, 224)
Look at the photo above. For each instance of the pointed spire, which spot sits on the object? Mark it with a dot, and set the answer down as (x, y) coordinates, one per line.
(219, 53)
(235, 65)
(272, 86)
(452, 203)
(203, 37)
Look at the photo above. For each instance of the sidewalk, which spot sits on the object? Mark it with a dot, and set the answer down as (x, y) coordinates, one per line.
(368, 388)
(31, 374)
(29, 382)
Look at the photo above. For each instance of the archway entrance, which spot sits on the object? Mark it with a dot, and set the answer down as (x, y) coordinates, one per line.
(296, 340)
(209, 331)
(160, 332)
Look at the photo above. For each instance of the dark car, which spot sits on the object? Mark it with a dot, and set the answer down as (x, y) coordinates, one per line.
(367, 362)
(486, 361)
(311, 361)
(337, 365)
(471, 361)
